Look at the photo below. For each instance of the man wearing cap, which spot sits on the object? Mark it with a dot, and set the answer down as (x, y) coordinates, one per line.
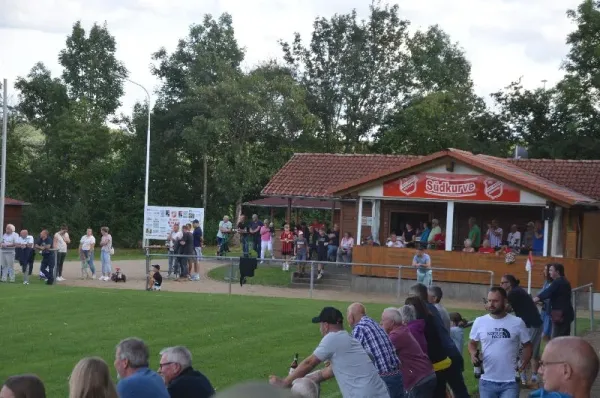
(377, 343)
(351, 366)
(197, 234)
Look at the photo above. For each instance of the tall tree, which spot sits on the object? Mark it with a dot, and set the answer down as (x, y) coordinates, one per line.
(92, 73)
(353, 71)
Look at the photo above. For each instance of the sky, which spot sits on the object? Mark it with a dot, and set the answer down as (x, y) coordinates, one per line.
(503, 39)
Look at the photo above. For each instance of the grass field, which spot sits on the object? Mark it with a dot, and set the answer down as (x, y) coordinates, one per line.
(47, 329)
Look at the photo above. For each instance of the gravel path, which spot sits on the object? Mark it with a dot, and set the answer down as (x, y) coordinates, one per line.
(135, 271)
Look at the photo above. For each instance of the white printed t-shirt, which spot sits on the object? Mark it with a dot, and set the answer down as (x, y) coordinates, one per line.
(354, 371)
(500, 341)
(10, 239)
(87, 242)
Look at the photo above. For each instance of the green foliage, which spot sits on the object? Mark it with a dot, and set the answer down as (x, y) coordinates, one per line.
(355, 86)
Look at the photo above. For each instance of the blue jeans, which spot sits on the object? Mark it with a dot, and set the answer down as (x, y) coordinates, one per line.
(331, 252)
(425, 278)
(89, 259)
(106, 263)
(492, 389)
(395, 385)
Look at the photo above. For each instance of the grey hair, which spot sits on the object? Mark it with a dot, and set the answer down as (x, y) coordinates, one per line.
(437, 292)
(408, 313)
(135, 351)
(178, 354)
(305, 388)
(394, 314)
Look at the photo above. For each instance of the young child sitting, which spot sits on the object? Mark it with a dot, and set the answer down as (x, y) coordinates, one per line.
(155, 280)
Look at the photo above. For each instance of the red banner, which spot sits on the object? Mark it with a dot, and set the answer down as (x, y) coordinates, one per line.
(452, 187)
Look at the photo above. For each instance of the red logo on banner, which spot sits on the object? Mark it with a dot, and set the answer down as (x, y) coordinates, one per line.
(452, 186)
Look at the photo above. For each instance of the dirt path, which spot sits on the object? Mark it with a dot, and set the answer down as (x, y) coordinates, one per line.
(135, 271)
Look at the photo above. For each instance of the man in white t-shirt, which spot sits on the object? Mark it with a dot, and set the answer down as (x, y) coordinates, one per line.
(351, 366)
(9, 242)
(172, 244)
(61, 240)
(394, 242)
(500, 335)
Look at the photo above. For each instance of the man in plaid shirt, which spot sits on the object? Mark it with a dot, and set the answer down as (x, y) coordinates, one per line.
(378, 345)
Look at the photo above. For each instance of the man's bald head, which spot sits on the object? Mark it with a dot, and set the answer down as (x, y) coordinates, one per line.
(355, 313)
(582, 370)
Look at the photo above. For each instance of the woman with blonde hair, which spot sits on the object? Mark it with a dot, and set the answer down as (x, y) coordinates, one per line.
(91, 379)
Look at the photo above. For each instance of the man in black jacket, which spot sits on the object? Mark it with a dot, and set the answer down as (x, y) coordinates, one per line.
(181, 379)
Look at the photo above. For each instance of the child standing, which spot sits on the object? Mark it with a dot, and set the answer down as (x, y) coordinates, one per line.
(322, 243)
(457, 325)
(287, 246)
(300, 251)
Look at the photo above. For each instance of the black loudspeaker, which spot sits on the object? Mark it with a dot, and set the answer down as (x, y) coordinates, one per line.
(548, 213)
(450, 167)
(247, 267)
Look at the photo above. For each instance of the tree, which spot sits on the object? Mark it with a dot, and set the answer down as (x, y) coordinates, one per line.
(93, 75)
(68, 178)
(353, 72)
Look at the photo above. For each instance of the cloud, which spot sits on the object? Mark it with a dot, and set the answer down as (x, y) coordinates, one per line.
(503, 39)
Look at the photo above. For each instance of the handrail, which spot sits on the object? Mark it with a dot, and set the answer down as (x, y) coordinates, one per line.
(590, 287)
(311, 263)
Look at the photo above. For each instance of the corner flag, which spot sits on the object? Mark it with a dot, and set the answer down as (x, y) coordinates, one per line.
(529, 263)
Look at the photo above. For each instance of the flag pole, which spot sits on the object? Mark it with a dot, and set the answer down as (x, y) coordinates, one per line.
(529, 273)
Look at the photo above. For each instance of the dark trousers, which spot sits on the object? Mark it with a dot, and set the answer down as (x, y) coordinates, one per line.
(257, 244)
(454, 378)
(47, 267)
(561, 329)
(26, 257)
(60, 261)
(183, 266)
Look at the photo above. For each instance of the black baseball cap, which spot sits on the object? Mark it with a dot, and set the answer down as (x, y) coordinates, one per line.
(330, 315)
(195, 222)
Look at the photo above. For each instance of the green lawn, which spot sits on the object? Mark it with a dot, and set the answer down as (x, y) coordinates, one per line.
(47, 329)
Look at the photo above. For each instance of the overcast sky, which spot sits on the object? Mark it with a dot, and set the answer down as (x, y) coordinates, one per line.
(503, 39)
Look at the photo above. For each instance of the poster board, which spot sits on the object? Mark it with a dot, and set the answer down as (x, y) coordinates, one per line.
(159, 220)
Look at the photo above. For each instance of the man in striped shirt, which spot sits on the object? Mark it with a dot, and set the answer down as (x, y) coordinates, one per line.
(378, 345)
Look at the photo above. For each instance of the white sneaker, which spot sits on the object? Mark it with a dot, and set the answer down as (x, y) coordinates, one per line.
(93, 276)
(320, 275)
(26, 283)
(60, 279)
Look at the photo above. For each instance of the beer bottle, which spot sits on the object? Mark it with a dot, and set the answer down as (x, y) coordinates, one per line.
(477, 366)
(294, 364)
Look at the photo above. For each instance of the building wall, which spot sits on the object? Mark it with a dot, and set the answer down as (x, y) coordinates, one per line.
(589, 245)
(13, 215)
(349, 218)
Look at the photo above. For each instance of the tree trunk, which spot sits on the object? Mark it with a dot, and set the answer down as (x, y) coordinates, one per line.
(235, 240)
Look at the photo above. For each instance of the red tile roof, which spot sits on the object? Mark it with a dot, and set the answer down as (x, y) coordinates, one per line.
(297, 203)
(313, 174)
(582, 176)
(14, 202)
(330, 175)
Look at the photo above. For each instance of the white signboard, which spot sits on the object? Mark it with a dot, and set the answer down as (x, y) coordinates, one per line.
(367, 221)
(160, 219)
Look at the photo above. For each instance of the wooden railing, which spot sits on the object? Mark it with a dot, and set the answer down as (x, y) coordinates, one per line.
(578, 271)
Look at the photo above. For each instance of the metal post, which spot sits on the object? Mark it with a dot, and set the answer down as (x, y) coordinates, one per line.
(4, 134)
(55, 271)
(230, 277)
(312, 278)
(147, 267)
(147, 182)
(574, 323)
(399, 284)
(491, 279)
(591, 308)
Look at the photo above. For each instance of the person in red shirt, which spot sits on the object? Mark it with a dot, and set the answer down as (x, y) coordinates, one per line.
(419, 378)
(287, 246)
